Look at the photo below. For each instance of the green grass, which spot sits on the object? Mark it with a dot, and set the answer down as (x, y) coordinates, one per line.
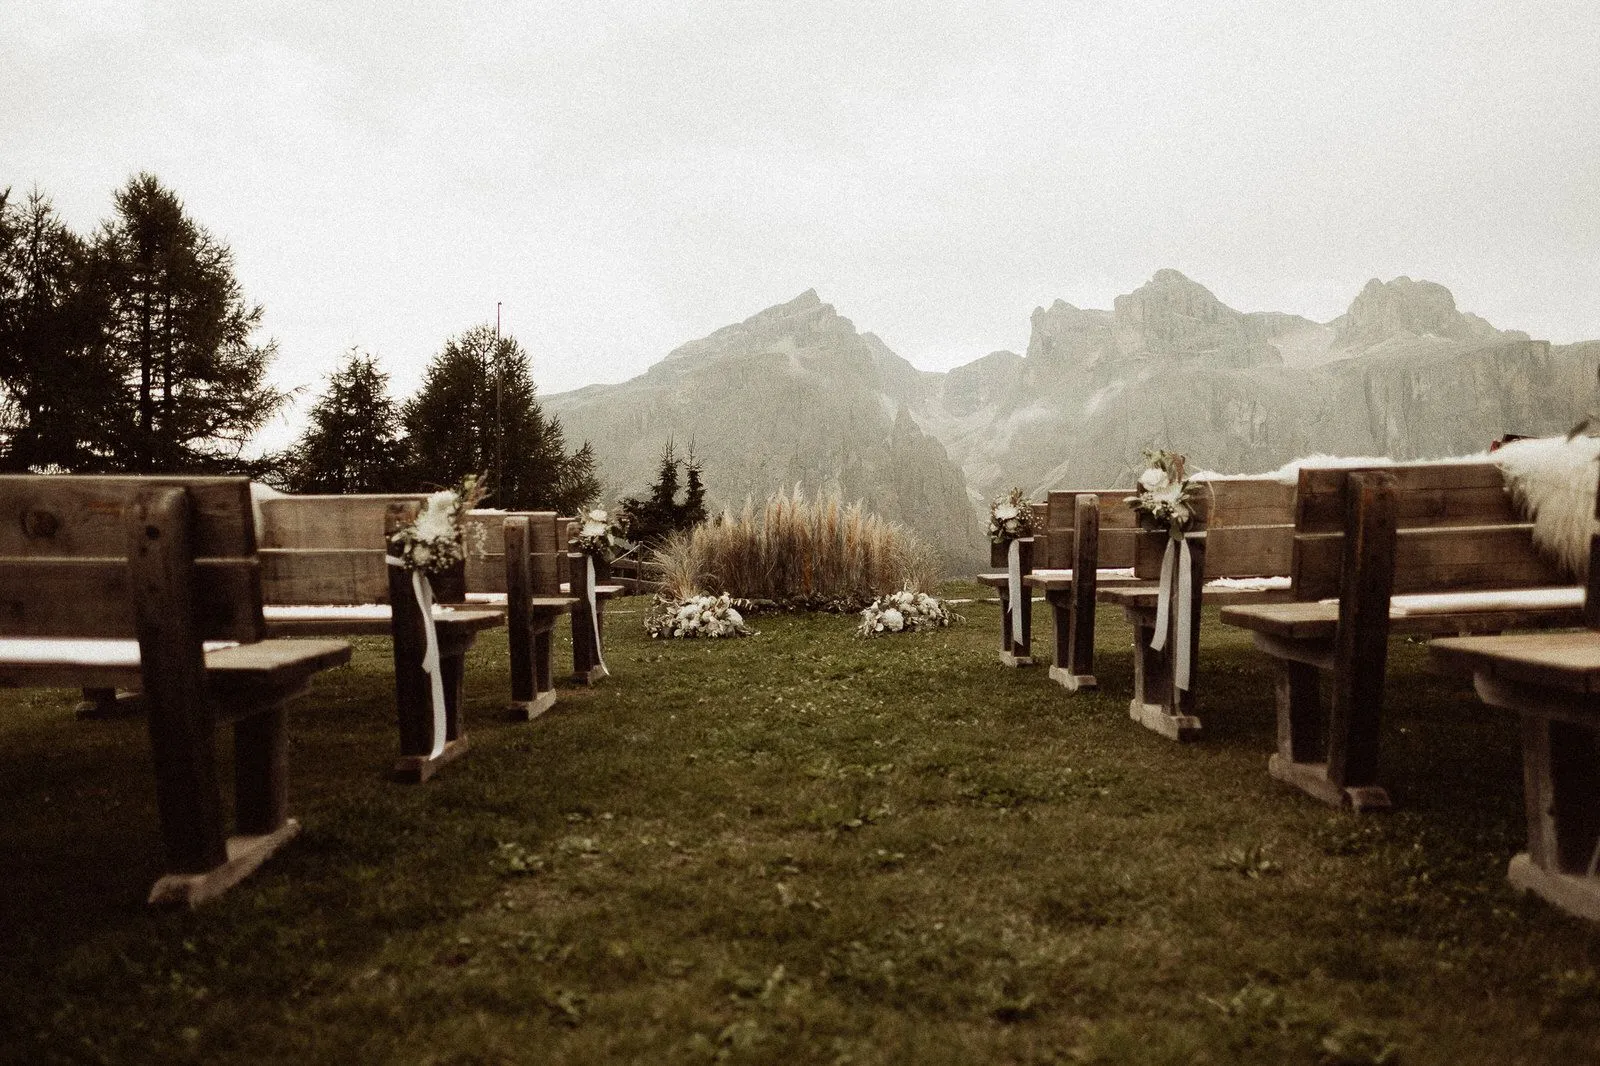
(802, 847)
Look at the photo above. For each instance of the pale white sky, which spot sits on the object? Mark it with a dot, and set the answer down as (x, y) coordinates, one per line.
(628, 176)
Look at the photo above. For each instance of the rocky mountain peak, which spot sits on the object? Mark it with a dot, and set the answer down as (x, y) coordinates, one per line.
(1172, 316)
(1383, 310)
(804, 321)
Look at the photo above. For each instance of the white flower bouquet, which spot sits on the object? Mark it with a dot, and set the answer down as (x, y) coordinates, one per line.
(903, 612)
(601, 535)
(433, 542)
(1010, 518)
(1165, 497)
(697, 616)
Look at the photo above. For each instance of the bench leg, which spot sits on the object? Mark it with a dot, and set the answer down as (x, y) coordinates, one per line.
(535, 694)
(1561, 790)
(1073, 662)
(1157, 704)
(261, 772)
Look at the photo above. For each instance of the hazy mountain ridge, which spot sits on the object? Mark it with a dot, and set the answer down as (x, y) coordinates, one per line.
(1403, 372)
(796, 394)
(791, 395)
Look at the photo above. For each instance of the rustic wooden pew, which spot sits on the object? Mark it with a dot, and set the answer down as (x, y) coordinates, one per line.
(1016, 633)
(1421, 549)
(1239, 553)
(1089, 534)
(588, 632)
(513, 567)
(325, 572)
(1553, 681)
(123, 581)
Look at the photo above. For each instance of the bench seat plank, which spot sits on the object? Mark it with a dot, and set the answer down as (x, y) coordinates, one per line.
(1212, 593)
(1320, 620)
(1061, 580)
(1566, 661)
(368, 620)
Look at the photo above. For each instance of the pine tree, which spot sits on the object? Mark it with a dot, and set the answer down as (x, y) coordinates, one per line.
(179, 331)
(580, 484)
(58, 388)
(478, 412)
(352, 443)
(652, 518)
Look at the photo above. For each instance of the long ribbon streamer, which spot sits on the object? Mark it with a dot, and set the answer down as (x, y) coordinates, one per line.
(423, 589)
(1176, 557)
(594, 619)
(1014, 584)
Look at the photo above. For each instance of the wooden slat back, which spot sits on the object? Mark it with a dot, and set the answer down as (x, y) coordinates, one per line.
(85, 514)
(1457, 530)
(354, 521)
(64, 556)
(1429, 495)
(1249, 528)
(1117, 526)
(547, 549)
(486, 551)
(328, 550)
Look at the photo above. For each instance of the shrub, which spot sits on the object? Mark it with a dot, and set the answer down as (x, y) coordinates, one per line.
(814, 553)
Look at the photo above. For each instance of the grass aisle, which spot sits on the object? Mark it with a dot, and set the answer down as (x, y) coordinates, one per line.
(795, 848)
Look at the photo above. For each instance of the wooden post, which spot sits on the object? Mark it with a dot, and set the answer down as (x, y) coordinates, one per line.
(1299, 712)
(1086, 533)
(585, 651)
(1361, 647)
(172, 663)
(261, 771)
(519, 621)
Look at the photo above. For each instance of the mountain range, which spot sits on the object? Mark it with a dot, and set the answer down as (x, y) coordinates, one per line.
(796, 395)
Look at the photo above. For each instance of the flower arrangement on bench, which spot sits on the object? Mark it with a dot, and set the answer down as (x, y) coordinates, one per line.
(903, 612)
(1010, 518)
(601, 535)
(434, 542)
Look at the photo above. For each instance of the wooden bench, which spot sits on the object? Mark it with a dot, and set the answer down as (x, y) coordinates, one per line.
(1088, 533)
(517, 571)
(326, 572)
(588, 630)
(123, 581)
(1553, 681)
(1239, 550)
(1424, 549)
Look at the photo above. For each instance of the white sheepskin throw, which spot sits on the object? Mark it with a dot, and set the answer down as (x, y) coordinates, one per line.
(1553, 481)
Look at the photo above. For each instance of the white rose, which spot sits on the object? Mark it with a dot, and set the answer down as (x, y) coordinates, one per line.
(894, 620)
(421, 555)
(1152, 479)
(1005, 512)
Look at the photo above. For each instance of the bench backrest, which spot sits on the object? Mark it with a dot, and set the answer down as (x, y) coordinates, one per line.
(1249, 528)
(66, 542)
(1117, 528)
(486, 551)
(321, 550)
(1457, 529)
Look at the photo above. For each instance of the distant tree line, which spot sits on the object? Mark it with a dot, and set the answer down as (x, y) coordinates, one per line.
(132, 351)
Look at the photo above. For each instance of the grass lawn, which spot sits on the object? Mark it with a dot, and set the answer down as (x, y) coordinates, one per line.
(802, 847)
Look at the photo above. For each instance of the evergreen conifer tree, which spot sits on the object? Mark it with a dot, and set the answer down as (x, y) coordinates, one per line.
(179, 333)
(57, 384)
(478, 412)
(352, 443)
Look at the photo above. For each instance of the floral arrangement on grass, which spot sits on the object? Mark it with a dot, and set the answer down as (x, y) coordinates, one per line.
(903, 612)
(601, 535)
(433, 542)
(1010, 518)
(697, 616)
(1165, 497)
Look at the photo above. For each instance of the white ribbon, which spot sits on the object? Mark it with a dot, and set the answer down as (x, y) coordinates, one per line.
(1014, 582)
(1176, 557)
(594, 619)
(430, 655)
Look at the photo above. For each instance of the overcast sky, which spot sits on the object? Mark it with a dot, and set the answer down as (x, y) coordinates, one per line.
(628, 176)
